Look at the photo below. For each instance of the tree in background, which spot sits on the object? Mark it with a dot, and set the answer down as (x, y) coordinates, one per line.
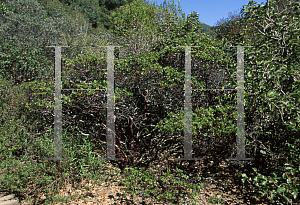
(25, 31)
(229, 30)
(96, 11)
(138, 24)
(194, 23)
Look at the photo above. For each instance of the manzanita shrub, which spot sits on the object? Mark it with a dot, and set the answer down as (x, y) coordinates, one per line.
(149, 86)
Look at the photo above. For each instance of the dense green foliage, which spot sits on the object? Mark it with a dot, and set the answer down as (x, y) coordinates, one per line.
(149, 83)
(25, 31)
(272, 82)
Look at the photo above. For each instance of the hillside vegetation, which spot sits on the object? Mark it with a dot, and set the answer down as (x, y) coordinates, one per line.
(149, 101)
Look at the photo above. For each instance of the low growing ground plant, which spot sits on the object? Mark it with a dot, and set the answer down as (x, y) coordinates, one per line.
(282, 187)
(166, 186)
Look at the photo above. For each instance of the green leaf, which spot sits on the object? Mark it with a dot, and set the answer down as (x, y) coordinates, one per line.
(263, 183)
(295, 195)
(273, 180)
(281, 189)
(262, 151)
(272, 195)
(284, 175)
(295, 95)
(287, 199)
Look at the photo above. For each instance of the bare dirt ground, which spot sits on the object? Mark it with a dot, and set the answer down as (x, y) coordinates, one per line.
(110, 192)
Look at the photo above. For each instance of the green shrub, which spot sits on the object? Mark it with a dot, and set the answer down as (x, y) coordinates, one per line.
(284, 187)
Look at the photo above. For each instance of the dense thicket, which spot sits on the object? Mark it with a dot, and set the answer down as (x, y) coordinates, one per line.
(271, 84)
(149, 74)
